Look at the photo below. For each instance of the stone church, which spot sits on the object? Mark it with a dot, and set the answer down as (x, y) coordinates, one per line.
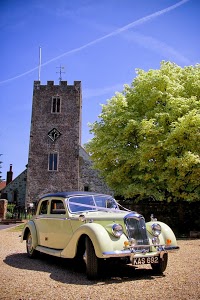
(56, 160)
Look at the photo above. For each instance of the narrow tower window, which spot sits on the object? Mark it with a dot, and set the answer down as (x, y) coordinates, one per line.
(55, 107)
(53, 162)
(86, 188)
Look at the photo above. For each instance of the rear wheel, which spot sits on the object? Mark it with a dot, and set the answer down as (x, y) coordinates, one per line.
(91, 260)
(162, 265)
(29, 246)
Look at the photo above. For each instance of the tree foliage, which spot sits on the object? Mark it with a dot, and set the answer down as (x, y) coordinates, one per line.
(147, 141)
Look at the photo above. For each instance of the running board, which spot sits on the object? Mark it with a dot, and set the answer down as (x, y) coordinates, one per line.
(49, 251)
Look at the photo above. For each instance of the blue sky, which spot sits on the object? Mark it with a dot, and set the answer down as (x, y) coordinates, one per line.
(100, 42)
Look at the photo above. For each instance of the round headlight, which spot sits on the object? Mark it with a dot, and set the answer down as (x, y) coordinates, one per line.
(117, 230)
(156, 229)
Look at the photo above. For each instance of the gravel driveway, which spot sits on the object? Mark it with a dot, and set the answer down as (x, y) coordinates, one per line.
(51, 278)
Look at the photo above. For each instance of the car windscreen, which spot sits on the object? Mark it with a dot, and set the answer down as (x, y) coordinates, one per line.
(105, 202)
(91, 203)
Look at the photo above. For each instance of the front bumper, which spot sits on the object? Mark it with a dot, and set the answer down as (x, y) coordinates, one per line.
(160, 250)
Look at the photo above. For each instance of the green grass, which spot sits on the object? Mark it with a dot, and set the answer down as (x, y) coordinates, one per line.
(19, 227)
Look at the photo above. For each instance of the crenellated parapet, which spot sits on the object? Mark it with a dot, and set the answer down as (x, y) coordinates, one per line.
(50, 84)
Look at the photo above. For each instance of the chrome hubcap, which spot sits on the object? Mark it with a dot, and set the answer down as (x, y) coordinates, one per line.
(29, 244)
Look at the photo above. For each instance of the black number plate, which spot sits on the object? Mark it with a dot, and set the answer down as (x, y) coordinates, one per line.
(145, 260)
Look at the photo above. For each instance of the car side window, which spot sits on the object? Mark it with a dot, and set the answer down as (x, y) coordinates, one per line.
(57, 207)
(43, 207)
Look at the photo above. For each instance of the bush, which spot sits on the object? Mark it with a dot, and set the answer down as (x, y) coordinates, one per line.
(8, 215)
(10, 208)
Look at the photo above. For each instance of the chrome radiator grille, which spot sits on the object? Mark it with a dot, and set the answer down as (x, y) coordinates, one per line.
(136, 229)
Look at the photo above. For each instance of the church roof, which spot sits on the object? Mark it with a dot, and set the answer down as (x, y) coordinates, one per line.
(2, 185)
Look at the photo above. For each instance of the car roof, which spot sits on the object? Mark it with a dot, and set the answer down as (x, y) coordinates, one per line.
(73, 193)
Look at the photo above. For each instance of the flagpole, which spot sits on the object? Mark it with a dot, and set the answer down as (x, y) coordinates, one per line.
(40, 62)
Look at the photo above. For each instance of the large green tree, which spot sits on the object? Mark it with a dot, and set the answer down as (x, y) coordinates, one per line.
(147, 139)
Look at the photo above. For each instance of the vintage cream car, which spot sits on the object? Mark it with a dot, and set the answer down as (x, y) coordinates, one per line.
(93, 228)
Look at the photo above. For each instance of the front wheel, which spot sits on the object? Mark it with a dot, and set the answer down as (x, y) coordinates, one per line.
(91, 260)
(29, 246)
(160, 267)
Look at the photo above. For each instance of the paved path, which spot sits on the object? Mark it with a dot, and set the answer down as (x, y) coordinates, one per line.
(5, 226)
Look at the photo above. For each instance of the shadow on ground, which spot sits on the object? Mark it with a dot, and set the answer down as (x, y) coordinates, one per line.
(68, 271)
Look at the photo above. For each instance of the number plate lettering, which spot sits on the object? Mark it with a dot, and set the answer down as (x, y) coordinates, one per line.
(145, 260)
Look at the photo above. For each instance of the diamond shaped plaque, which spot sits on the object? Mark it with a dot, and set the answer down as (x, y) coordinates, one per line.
(54, 134)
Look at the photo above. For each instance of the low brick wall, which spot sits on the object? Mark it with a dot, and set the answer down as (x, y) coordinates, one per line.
(182, 217)
(3, 208)
(10, 221)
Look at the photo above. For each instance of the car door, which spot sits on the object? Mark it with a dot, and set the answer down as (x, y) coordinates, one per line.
(54, 228)
(42, 221)
(60, 224)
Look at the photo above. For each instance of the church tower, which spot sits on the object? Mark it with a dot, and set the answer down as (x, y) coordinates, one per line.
(55, 136)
